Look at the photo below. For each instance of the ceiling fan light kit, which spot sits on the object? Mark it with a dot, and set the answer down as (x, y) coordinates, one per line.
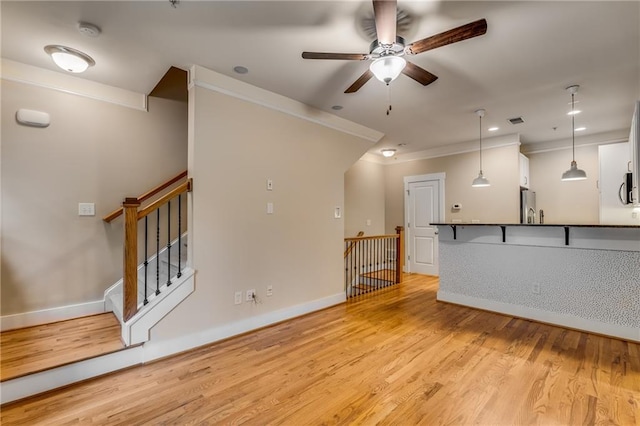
(388, 152)
(574, 173)
(387, 68)
(388, 51)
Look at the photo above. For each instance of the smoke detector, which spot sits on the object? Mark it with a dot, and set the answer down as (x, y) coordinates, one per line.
(88, 30)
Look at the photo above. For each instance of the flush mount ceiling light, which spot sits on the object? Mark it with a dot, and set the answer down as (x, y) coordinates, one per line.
(387, 68)
(574, 173)
(388, 152)
(480, 181)
(69, 59)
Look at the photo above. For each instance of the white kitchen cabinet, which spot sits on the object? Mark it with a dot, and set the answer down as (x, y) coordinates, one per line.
(524, 171)
(614, 161)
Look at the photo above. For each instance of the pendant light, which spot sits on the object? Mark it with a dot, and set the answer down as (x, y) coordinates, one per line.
(480, 181)
(574, 173)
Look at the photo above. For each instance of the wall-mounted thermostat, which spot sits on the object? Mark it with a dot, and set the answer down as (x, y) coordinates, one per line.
(456, 206)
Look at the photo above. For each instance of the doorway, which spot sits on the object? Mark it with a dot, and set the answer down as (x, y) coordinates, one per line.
(423, 206)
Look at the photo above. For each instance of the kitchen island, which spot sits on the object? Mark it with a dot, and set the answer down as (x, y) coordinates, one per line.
(585, 277)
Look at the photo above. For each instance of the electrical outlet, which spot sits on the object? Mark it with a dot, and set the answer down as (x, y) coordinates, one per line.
(535, 288)
(250, 295)
(269, 290)
(238, 296)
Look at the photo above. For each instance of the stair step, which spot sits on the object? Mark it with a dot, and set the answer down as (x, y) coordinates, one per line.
(35, 349)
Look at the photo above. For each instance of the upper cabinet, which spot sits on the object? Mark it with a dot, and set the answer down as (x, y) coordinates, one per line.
(524, 171)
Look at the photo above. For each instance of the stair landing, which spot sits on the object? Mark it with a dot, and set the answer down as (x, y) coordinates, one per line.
(35, 349)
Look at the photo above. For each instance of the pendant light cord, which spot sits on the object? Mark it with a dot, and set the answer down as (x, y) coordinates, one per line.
(573, 128)
(480, 144)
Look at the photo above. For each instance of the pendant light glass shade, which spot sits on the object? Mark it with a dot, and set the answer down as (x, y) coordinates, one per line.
(387, 68)
(574, 173)
(480, 181)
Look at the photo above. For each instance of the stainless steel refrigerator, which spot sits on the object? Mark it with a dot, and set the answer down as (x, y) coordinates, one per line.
(528, 207)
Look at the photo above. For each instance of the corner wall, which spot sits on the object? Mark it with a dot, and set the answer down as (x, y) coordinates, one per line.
(93, 151)
(240, 136)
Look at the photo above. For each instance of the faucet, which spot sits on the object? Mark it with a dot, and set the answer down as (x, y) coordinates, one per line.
(531, 215)
(541, 216)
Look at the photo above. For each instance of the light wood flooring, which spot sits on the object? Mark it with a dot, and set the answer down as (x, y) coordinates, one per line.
(34, 349)
(394, 357)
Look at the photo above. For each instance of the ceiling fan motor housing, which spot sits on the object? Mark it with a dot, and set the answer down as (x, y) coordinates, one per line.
(396, 49)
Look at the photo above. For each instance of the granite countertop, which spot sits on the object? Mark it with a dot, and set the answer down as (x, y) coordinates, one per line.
(538, 225)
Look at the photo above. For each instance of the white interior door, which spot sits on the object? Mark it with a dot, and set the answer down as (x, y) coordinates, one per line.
(423, 205)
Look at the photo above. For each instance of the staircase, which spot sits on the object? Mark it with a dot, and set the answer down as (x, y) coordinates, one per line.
(44, 357)
(164, 291)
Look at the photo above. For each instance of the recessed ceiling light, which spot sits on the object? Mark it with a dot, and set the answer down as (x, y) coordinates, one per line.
(493, 129)
(239, 69)
(574, 112)
(580, 129)
(336, 107)
(69, 59)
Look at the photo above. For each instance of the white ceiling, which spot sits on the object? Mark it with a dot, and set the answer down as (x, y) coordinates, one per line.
(530, 53)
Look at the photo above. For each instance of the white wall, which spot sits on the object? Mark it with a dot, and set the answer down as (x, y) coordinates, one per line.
(574, 202)
(498, 203)
(236, 144)
(364, 199)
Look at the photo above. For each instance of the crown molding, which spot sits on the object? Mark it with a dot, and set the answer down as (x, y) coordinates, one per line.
(211, 80)
(66, 83)
(605, 138)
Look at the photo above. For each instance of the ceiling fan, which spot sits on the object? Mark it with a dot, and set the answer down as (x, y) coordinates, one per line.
(388, 51)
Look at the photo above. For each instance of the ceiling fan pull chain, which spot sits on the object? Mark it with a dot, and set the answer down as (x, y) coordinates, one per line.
(389, 98)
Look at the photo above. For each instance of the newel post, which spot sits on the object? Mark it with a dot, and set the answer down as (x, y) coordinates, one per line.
(130, 267)
(399, 253)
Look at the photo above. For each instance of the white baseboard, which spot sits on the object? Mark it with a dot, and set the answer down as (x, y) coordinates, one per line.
(22, 387)
(154, 349)
(554, 318)
(28, 319)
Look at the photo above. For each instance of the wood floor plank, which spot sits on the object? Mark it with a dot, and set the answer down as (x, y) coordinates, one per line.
(34, 349)
(395, 357)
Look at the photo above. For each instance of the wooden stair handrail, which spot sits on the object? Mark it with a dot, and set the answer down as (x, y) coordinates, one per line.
(370, 237)
(348, 250)
(116, 213)
(184, 187)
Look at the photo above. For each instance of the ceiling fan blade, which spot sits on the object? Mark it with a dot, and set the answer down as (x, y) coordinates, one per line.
(419, 74)
(360, 82)
(455, 35)
(343, 56)
(385, 13)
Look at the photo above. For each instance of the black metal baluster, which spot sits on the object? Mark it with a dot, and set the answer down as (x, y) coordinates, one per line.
(146, 256)
(157, 252)
(168, 243)
(179, 235)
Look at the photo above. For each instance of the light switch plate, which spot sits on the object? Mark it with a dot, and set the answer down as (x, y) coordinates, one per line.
(86, 209)
(337, 213)
(269, 208)
(269, 185)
